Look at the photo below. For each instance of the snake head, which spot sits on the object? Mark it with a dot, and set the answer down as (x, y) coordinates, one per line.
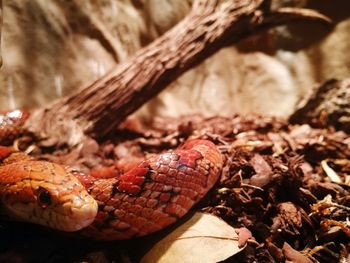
(47, 194)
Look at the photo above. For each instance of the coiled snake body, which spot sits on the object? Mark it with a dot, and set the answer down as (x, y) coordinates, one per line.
(152, 195)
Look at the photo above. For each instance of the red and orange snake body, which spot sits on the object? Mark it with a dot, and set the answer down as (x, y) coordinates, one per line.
(149, 197)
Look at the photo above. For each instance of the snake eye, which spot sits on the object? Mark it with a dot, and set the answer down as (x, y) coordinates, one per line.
(44, 197)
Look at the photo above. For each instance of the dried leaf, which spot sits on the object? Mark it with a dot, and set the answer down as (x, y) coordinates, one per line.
(203, 238)
(262, 169)
(330, 172)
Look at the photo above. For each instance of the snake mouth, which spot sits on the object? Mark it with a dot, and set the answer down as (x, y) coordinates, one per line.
(81, 219)
(75, 216)
(65, 218)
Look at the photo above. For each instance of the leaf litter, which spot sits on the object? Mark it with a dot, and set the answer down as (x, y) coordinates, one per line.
(284, 189)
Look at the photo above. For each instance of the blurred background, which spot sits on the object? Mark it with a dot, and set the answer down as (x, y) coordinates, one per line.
(51, 48)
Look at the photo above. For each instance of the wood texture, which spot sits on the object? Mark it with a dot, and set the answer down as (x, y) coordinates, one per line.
(329, 105)
(100, 107)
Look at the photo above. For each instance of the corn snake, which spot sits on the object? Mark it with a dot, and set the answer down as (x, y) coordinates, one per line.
(149, 197)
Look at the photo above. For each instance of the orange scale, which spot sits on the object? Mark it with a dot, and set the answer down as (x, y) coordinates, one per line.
(100, 218)
(187, 179)
(190, 171)
(152, 203)
(164, 197)
(186, 203)
(129, 199)
(104, 172)
(181, 200)
(170, 181)
(164, 169)
(196, 180)
(119, 225)
(119, 213)
(175, 209)
(146, 193)
(165, 158)
(154, 194)
(165, 221)
(177, 189)
(190, 193)
(172, 172)
(174, 157)
(202, 170)
(181, 176)
(188, 185)
(103, 197)
(114, 202)
(154, 164)
(135, 209)
(140, 222)
(184, 190)
(198, 188)
(129, 217)
(129, 188)
(174, 164)
(141, 201)
(124, 206)
(148, 227)
(160, 178)
(157, 215)
(147, 189)
(147, 212)
(154, 187)
(5, 152)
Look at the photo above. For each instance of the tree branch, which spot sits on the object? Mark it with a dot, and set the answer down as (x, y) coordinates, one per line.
(100, 107)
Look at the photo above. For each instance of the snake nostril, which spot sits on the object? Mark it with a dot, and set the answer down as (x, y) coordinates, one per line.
(44, 197)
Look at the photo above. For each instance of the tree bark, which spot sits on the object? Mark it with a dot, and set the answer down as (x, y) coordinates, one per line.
(100, 107)
(329, 105)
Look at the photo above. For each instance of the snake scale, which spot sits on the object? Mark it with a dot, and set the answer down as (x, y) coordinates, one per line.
(149, 197)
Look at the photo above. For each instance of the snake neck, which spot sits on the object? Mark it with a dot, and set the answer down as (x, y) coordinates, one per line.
(9, 155)
(155, 194)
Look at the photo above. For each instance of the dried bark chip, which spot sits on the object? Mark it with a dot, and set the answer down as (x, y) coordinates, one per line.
(275, 252)
(243, 235)
(291, 220)
(263, 171)
(293, 255)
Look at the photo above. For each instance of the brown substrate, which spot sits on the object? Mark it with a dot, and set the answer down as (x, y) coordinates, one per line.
(278, 181)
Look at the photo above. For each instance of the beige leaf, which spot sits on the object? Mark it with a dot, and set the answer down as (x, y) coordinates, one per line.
(203, 238)
(330, 172)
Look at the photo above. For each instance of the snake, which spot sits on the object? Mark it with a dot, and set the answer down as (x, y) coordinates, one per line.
(149, 197)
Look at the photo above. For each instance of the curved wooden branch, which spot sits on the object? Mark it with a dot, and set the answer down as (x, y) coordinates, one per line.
(100, 107)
